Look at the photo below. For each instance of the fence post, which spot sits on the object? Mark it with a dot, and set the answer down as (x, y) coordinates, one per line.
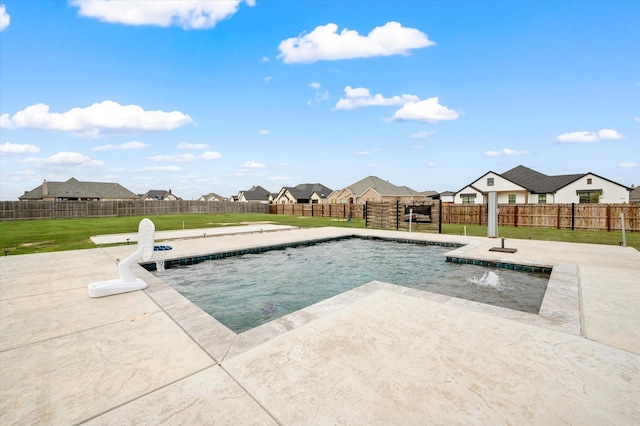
(366, 216)
(557, 216)
(608, 217)
(397, 214)
(515, 216)
(573, 216)
(439, 215)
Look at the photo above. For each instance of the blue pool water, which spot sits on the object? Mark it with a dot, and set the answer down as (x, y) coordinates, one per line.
(245, 291)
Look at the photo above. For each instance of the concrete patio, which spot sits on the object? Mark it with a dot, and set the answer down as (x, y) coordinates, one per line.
(378, 354)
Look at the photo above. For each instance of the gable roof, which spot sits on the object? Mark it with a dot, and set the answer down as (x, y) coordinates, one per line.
(382, 187)
(304, 191)
(537, 182)
(256, 193)
(157, 194)
(211, 195)
(74, 188)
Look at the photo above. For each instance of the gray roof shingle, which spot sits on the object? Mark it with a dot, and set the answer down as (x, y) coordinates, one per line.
(537, 182)
(256, 193)
(381, 186)
(304, 191)
(74, 188)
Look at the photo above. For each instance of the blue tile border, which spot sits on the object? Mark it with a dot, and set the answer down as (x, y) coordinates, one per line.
(169, 263)
(503, 265)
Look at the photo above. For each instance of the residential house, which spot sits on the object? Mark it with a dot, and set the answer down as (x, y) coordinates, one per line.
(374, 189)
(634, 195)
(75, 190)
(305, 193)
(255, 194)
(159, 195)
(522, 185)
(212, 196)
(447, 196)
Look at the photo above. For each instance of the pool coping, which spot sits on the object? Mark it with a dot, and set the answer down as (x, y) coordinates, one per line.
(560, 309)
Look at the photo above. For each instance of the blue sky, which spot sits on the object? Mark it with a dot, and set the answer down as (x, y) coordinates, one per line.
(217, 96)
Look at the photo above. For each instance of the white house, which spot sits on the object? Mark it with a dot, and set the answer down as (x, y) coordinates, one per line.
(255, 194)
(159, 195)
(522, 185)
(212, 196)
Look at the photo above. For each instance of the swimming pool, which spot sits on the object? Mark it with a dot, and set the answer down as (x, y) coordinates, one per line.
(251, 289)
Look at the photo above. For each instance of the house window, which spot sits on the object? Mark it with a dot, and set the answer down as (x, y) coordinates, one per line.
(542, 198)
(512, 198)
(468, 198)
(489, 181)
(589, 181)
(589, 197)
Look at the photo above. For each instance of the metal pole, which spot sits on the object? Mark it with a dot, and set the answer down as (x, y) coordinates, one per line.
(624, 236)
(410, 214)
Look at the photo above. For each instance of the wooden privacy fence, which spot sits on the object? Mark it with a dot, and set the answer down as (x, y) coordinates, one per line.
(34, 210)
(596, 217)
(334, 210)
(420, 217)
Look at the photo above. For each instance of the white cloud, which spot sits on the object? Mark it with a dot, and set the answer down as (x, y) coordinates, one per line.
(97, 120)
(315, 85)
(178, 158)
(187, 14)
(322, 96)
(627, 165)
(267, 79)
(428, 110)
(210, 155)
(325, 43)
(361, 97)
(263, 132)
(421, 134)
(184, 145)
(265, 59)
(412, 108)
(5, 121)
(603, 134)
(505, 151)
(5, 19)
(252, 165)
(637, 119)
(160, 169)
(432, 164)
(65, 159)
(122, 147)
(15, 148)
(609, 134)
(362, 153)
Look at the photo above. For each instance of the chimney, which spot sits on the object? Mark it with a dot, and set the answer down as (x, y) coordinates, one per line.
(45, 189)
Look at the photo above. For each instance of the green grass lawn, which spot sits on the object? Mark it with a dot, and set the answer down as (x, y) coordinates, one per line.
(37, 236)
(69, 234)
(566, 235)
